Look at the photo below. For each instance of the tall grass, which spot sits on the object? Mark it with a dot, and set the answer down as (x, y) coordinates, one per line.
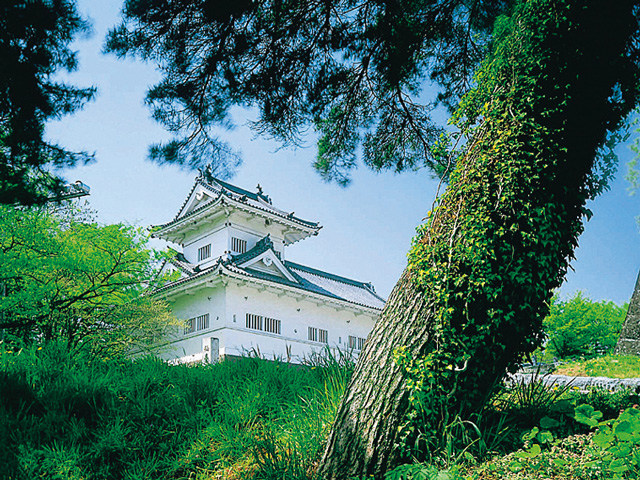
(89, 418)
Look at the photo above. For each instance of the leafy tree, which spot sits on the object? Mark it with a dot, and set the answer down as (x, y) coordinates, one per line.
(67, 278)
(34, 46)
(546, 101)
(581, 327)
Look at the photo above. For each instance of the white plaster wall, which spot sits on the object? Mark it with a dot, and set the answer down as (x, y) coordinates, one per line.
(296, 316)
(206, 300)
(218, 241)
(254, 230)
(242, 234)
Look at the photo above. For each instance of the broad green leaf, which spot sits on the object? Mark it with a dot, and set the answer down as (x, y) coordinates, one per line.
(548, 422)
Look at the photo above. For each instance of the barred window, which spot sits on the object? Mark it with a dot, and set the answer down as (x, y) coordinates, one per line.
(204, 252)
(272, 325)
(313, 334)
(323, 336)
(190, 326)
(254, 322)
(356, 343)
(238, 245)
(202, 322)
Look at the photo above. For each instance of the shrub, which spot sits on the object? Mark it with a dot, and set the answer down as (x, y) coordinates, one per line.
(581, 327)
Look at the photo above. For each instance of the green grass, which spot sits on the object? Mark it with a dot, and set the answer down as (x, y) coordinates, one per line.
(612, 366)
(72, 418)
(86, 418)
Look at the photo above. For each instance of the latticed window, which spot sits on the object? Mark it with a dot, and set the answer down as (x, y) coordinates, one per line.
(238, 245)
(204, 252)
(323, 336)
(356, 343)
(202, 322)
(254, 322)
(313, 334)
(272, 325)
(190, 326)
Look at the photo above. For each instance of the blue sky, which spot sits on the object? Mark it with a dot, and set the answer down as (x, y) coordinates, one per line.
(367, 227)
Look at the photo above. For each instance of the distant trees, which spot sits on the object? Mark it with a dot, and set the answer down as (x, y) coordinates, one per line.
(34, 45)
(581, 327)
(64, 277)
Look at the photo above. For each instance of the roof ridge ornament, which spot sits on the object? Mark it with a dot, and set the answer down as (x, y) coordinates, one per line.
(206, 174)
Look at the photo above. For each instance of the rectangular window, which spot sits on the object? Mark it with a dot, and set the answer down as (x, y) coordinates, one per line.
(204, 252)
(356, 343)
(202, 322)
(190, 326)
(238, 245)
(254, 322)
(272, 325)
(323, 336)
(313, 334)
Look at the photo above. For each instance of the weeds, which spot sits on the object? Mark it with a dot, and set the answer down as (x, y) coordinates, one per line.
(82, 417)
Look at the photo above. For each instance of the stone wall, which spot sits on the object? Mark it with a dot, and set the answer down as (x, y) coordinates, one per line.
(629, 342)
(580, 382)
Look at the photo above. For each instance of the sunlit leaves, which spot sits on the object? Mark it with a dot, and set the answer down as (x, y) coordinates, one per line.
(67, 278)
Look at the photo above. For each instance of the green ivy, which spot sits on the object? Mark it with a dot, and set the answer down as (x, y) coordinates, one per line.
(497, 243)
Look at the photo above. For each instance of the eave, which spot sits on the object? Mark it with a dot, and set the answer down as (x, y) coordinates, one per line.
(176, 230)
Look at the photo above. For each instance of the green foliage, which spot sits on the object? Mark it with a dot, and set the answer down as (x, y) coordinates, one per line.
(611, 366)
(353, 70)
(34, 46)
(79, 416)
(581, 327)
(65, 277)
(617, 442)
(497, 243)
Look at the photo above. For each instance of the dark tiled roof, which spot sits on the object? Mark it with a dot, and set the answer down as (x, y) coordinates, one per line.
(308, 279)
(259, 248)
(242, 191)
(254, 200)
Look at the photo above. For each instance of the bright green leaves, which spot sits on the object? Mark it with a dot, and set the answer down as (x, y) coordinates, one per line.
(67, 278)
(579, 326)
(617, 441)
(588, 415)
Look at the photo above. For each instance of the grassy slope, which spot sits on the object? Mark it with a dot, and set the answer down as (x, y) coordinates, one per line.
(612, 366)
(86, 418)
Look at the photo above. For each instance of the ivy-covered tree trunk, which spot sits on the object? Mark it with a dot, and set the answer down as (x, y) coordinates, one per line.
(561, 77)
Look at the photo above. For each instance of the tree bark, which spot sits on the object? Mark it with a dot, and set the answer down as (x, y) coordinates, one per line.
(629, 341)
(377, 398)
(500, 239)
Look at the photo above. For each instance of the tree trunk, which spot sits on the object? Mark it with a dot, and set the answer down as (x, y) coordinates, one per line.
(471, 302)
(377, 398)
(629, 341)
